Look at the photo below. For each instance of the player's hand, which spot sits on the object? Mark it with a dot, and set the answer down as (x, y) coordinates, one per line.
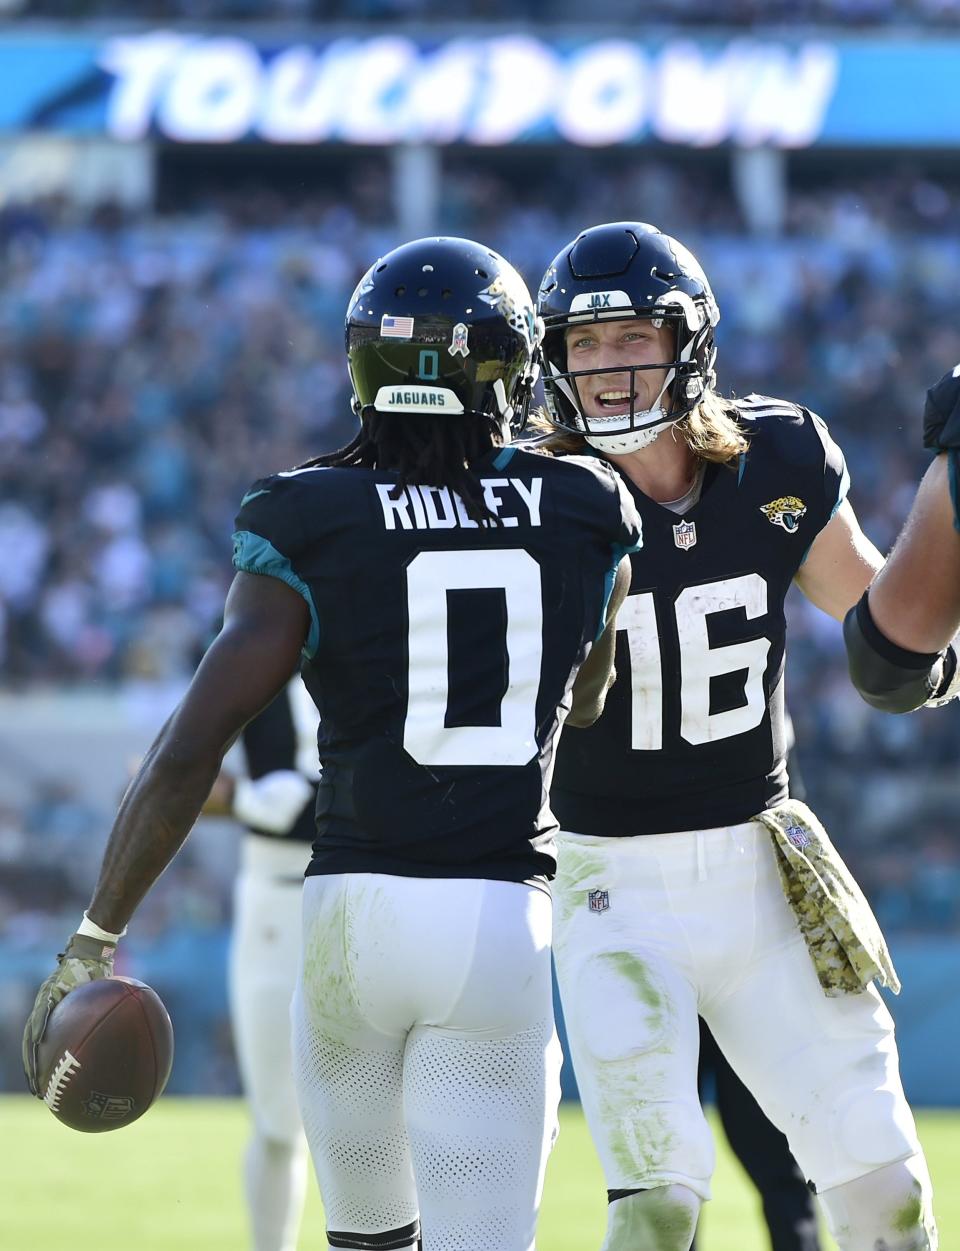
(272, 804)
(948, 680)
(941, 413)
(85, 960)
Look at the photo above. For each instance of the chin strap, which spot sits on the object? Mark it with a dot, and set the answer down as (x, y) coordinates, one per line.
(630, 440)
(621, 441)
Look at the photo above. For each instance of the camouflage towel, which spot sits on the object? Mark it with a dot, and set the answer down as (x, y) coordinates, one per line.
(845, 943)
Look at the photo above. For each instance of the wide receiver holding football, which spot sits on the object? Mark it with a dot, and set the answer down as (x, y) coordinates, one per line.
(451, 595)
(674, 810)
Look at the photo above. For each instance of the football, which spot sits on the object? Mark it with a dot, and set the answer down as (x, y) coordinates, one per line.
(106, 1054)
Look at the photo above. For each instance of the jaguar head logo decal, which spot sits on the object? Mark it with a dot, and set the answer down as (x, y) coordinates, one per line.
(785, 512)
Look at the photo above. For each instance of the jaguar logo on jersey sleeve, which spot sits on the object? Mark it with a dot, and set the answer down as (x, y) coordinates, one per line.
(785, 512)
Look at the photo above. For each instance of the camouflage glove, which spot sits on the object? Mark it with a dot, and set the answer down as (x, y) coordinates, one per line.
(941, 413)
(85, 960)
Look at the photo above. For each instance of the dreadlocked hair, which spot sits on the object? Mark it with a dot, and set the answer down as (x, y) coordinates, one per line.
(423, 451)
(711, 431)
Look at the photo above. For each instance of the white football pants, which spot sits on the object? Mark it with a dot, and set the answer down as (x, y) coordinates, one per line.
(426, 1059)
(696, 922)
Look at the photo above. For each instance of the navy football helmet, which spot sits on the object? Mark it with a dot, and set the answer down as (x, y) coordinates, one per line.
(443, 326)
(618, 271)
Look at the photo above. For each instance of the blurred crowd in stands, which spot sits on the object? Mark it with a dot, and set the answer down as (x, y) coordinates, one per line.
(152, 366)
(856, 13)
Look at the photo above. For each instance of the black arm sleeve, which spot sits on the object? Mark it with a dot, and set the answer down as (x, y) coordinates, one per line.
(941, 413)
(887, 676)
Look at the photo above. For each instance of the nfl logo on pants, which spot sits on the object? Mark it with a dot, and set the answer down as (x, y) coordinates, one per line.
(598, 900)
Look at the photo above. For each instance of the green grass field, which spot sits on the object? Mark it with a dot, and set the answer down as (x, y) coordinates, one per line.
(171, 1183)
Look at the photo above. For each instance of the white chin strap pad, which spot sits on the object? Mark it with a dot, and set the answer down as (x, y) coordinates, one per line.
(619, 442)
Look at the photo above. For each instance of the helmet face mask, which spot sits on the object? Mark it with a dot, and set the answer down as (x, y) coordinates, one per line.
(620, 272)
(443, 326)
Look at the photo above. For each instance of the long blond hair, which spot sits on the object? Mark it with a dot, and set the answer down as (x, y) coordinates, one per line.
(711, 431)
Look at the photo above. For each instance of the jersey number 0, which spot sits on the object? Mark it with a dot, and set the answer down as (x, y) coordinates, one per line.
(426, 737)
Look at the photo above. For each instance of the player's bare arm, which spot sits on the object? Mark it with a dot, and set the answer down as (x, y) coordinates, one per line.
(219, 803)
(597, 673)
(840, 565)
(898, 635)
(265, 625)
(911, 606)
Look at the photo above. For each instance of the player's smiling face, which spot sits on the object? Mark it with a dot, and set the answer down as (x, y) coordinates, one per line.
(609, 346)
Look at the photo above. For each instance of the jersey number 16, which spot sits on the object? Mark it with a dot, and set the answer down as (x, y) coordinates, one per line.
(699, 662)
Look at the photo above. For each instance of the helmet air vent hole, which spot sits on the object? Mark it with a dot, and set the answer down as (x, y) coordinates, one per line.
(481, 273)
(381, 268)
(446, 293)
(400, 291)
(422, 291)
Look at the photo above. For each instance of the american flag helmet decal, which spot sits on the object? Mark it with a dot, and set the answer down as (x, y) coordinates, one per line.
(396, 327)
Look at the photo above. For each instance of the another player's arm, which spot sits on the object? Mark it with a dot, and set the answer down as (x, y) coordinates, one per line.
(915, 600)
(597, 673)
(898, 635)
(840, 565)
(219, 803)
(272, 801)
(270, 804)
(250, 661)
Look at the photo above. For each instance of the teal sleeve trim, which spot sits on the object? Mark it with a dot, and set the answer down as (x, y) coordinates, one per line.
(953, 470)
(610, 578)
(253, 495)
(503, 459)
(253, 554)
(843, 490)
(741, 466)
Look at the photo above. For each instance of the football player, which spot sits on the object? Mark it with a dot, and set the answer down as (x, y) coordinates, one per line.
(789, 1207)
(453, 598)
(898, 635)
(275, 801)
(674, 807)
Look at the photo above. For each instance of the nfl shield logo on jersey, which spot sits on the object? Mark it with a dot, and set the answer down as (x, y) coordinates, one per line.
(685, 534)
(598, 900)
